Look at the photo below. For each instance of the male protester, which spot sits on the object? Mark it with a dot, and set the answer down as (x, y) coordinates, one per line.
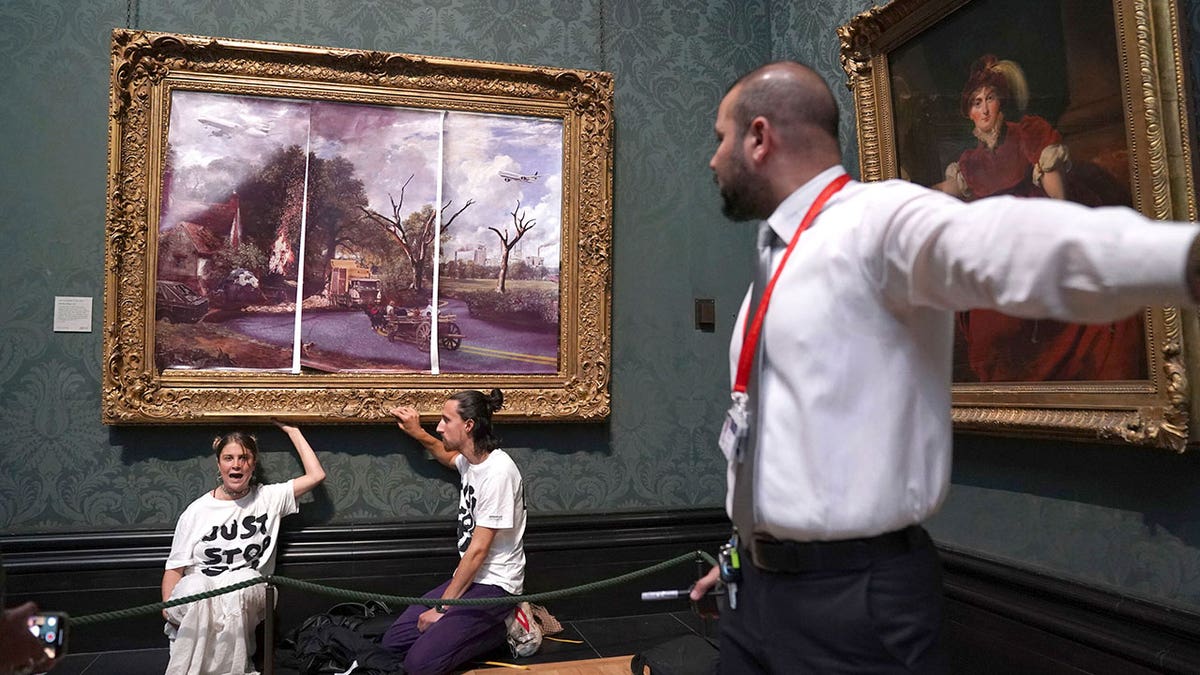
(436, 639)
(839, 436)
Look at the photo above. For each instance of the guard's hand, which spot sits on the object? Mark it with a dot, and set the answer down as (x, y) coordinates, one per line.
(705, 584)
(427, 619)
(287, 428)
(409, 419)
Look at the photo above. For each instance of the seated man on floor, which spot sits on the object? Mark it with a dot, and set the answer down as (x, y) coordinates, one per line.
(435, 639)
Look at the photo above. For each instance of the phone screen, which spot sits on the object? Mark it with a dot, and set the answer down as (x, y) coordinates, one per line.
(51, 629)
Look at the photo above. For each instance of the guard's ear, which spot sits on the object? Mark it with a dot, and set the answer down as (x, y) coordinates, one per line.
(759, 138)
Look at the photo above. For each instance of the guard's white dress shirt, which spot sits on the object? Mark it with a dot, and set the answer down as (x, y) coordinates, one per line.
(855, 433)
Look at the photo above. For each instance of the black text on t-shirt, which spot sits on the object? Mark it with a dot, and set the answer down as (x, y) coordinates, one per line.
(219, 560)
(466, 518)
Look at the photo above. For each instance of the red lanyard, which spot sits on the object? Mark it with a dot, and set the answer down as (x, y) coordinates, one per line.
(750, 338)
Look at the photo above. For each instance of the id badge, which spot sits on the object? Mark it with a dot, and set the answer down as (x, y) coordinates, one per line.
(736, 428)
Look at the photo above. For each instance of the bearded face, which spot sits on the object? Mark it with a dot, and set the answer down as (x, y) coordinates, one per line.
(742, 197)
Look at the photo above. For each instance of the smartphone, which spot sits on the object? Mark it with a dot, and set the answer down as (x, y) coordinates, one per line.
(51, 629)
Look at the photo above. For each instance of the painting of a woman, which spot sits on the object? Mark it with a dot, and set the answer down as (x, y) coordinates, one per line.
(1024, 156)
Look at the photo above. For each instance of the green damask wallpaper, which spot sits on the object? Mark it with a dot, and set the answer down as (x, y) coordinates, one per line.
(61, 471)
(1106, 515)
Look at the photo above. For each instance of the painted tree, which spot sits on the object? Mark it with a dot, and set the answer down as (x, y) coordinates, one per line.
(522, 225)
(272, 201)
(415, 232)
(334, 224)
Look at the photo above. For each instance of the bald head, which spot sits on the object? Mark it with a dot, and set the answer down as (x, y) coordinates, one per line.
(776, 129)
(795, 99)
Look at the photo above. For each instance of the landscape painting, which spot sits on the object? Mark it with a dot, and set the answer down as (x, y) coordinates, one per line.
(340, 237)
(323, 234)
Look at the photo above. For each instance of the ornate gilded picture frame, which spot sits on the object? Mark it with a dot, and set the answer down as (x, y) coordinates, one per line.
(323, 234)
(1063, 99)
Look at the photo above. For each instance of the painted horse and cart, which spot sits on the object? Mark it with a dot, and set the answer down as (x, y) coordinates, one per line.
(415, 326)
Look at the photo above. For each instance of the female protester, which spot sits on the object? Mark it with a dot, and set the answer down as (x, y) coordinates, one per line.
(228, 535)
(1027, 158)
(491, 531)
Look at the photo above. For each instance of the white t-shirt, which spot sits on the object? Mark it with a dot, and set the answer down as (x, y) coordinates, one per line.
(215, 536)
(493, 496)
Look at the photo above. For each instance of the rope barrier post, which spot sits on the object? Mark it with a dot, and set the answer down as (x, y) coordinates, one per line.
(708, 619)
(269, 632)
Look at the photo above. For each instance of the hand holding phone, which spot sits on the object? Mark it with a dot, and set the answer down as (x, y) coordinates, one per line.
(22, 651)
(50, 628)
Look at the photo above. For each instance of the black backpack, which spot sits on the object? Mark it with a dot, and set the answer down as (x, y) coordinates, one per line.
(330, 642)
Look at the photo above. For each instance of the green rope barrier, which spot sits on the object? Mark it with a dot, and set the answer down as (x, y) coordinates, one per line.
(160, 606)
(394, 599)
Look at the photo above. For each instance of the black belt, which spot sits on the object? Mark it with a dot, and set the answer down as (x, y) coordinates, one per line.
(792, 557)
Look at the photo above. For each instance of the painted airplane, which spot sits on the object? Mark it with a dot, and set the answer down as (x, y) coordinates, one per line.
(225, 128)
(509, 176)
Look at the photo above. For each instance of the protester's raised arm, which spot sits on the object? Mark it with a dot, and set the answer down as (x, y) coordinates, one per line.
(314, 473)
(409, 421)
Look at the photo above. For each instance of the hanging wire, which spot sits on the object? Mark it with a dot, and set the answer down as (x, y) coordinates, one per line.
(132, 8)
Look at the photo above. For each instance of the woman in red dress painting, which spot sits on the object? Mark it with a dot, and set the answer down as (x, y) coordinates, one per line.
(1027, 158)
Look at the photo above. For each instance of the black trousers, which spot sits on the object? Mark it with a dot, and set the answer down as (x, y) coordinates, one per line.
(885, 617)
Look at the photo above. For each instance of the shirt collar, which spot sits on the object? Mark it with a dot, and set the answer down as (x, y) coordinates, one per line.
(787, 215)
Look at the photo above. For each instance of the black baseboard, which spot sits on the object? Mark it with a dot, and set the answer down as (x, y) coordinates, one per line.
(1006, 619)
(999, 618)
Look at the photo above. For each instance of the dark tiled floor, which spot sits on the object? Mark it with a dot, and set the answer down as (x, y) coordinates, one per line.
(140, 662)
(597, 638)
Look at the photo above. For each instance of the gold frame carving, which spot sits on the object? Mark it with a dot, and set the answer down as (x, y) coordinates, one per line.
(1152, 412)
(147, 66)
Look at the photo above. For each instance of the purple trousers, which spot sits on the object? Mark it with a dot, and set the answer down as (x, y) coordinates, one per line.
(462, 633)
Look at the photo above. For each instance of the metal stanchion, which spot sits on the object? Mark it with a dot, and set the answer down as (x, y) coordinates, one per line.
(269, 633)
